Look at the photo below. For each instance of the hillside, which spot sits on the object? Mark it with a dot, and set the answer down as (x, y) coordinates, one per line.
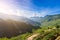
(48, 30)
(9, 28)
(47, 20)
(19, 18)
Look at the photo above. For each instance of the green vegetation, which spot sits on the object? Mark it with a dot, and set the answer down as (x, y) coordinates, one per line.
(49, 29)
(48, 34)
(20, 37)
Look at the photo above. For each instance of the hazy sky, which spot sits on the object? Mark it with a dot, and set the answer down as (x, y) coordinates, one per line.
(30, 8)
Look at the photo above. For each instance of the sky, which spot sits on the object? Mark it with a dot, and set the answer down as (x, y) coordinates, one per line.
(30, 8)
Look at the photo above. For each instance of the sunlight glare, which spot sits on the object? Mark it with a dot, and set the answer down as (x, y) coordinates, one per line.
(7, 9)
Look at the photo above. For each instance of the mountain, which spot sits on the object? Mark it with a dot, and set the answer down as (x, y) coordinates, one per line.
(19, 18)
(50, 28)
(51, 17)
(47, 20)
(37, 19)
(11, 25)
(9, 28)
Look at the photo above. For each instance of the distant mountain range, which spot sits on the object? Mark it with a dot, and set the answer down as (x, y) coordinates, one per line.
(47, 20)
(37, 19)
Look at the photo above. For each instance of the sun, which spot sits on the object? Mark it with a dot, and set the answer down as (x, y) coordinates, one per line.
(9, 8)
(4, 8)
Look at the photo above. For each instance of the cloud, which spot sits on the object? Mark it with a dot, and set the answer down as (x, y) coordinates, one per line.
(25, 8)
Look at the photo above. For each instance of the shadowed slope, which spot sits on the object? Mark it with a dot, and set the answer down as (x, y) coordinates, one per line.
(11, 28)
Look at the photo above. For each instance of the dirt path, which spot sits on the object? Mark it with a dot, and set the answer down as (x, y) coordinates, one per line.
(31, 37)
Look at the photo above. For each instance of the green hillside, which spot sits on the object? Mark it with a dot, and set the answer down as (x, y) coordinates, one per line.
(49, 29)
